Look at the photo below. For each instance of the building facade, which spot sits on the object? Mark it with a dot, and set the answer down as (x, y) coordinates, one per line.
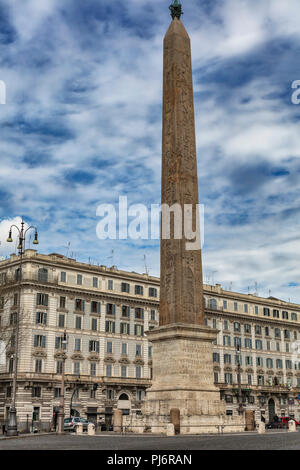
(105, 314)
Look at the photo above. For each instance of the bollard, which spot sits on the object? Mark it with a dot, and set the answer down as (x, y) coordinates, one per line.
(118, 420)
(170, 429)
(292, 426)
(91, 429)
(79, 428)
(261, 428)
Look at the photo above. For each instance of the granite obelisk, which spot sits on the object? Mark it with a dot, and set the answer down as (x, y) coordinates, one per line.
(183, 381)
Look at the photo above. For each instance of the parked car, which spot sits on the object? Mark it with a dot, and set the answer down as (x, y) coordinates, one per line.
(71, 423)
(282, 423)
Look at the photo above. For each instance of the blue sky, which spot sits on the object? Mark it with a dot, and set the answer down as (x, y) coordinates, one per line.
(82, 125)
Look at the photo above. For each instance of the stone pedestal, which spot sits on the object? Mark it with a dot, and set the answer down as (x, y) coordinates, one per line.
(292, 426)
(261, 428)
(91, 429)
(79, 428)
(183, 379)
(118, 420)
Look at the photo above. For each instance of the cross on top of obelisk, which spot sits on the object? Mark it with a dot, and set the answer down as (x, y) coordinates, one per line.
(176, 9)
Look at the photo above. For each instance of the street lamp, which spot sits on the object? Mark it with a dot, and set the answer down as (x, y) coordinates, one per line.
(12, 428)
(240, 399)
(61, 413)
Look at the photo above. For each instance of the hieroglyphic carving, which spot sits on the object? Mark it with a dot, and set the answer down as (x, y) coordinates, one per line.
(181, 270)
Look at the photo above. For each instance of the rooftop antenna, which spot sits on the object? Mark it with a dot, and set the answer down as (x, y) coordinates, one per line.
(67, 247)
(213, 277)
(269, 292)
(230, 286)
(256, 289)
(146, 268)
(248, 290)
(111, 257)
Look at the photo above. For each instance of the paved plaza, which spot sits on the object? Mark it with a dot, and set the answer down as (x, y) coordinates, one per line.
(274, 440)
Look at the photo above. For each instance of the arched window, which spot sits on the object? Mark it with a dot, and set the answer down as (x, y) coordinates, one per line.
(123, 397)
(213, 304)
(43, 275)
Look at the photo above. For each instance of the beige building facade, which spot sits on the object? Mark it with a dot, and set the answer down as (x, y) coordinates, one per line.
(105, 313)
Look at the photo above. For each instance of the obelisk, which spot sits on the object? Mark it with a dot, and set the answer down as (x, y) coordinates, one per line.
(183, 380)
(181, 291)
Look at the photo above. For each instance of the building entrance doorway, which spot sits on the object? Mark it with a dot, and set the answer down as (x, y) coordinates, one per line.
(271, 407)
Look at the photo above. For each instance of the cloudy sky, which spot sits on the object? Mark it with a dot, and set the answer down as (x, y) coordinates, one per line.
(82, 126)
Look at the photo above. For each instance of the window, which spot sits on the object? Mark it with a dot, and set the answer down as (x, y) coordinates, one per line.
(110, 284)
(140, 395)
(150, 351)
(268, 345)
(228, 398)
(95, 282)
(59, 343)
(225, 324)
(125, 287)
(295, 334)
(138, 290)
(287, 347)
(38, 365)
(266, 312)
(94, 324)
(288, 364)
(267, 331)
(11, 365)
(285, 315)
(225, 304)
(59, 367)
(76, 368)
(227, 358)
(138, 350)
(63, 276)
(109, 347)
(95, 307)
(216, 357)
(93, 368)
(294, 316)
(124, 349)
(42, 299)
(256, 310)
(251, 400)
(277, 333)
(43, 275)
(213, 304)
(214, 323)
(258, 344)
(13, 318)
(270, 363)
(124, 328)
(259, 361)
(246, 308)
(57, 392)
(260, 380)
(138, 372)
(138, 330)
(62, 302)
(278, 363)
(139, 313)
(8, 392)
(235, 306)
(216, 377)
(79, 305)
(78, 321)
(110, 309)
(79, 279)
(152, 292)
(36, 392)
(248, 361)
(39, 341)
(110, 394)
(228, 378)
(152, 315)
(15, 299)
(275, 313)
(226, 340)
(236, 326)
(247, 328)
(238, 359)
(94, 346)
(77, 346)
(257, 330)
(249, 380)
(287, 334)
(237, 341)
(123, 371)
(125, 311)
(41, 318)
(110, 326)
(109, 370)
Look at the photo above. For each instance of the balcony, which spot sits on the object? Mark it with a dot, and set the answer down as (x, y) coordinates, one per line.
(50, 278)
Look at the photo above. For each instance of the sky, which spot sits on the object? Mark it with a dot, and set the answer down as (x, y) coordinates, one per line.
(82, 126)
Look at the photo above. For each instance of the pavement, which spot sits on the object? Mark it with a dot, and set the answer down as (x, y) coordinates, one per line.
(271, 440)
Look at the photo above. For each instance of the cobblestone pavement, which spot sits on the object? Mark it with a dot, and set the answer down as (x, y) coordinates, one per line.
(279, 440)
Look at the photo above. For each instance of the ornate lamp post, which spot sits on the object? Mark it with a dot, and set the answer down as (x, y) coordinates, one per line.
(240, 399)
(61, 413)
(12, 428)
